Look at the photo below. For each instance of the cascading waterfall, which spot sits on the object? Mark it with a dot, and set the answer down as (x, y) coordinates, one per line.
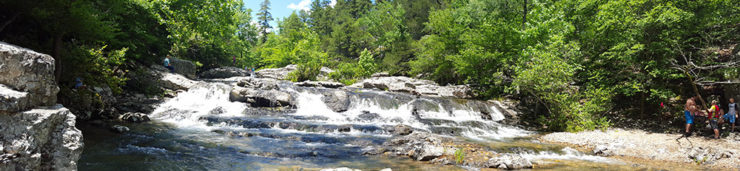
(206, 127)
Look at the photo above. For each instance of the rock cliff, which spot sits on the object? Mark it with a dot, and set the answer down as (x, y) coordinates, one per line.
(35, 132)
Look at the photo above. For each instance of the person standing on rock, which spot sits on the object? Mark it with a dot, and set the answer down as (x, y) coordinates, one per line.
(168, 65)
(714, 118)
(689, 113)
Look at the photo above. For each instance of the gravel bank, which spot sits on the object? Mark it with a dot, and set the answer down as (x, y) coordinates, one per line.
(719, 154)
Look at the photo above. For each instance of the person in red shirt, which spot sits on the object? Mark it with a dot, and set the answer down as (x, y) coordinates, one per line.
(714, 116)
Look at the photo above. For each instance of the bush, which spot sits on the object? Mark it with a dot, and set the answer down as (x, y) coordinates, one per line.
(306, 71)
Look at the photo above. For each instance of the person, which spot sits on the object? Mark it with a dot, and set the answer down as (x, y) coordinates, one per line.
(689, 113)
(78, 83)
(732, 112)
(252, 71)
(233, 60)
(168, 65)
(714, 116)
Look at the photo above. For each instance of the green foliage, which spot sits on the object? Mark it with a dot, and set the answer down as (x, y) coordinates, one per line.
(460, 155)
(109, 67)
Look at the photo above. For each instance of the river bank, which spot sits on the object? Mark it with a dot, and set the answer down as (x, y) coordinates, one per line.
(639, 146)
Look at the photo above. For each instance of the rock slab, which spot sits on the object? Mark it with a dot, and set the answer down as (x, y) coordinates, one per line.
(24, 70)
(40, 139)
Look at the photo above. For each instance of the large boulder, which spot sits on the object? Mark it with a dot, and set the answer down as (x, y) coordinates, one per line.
(40, 139)
(224, 72)
(262, 98)
(44, 138)
(414, 86)
(259, 83)
(24, 70)
(183, 67)
(509, 161)
(176, 82)
(336, 100)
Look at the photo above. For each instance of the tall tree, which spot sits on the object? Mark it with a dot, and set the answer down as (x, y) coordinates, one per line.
(264, 16)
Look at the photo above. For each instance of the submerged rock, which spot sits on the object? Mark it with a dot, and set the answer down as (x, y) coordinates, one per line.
(134, 117)
(224, 72)
(401, 129)
(119, 128)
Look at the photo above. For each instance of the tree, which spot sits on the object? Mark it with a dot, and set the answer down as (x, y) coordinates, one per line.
(264, 16)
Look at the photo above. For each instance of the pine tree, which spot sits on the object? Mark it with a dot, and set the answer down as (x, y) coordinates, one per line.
(264, 17)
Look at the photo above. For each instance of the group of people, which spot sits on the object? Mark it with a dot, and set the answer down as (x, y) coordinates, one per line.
(715, 115)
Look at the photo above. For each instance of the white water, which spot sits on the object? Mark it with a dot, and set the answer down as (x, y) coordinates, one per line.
(204, 97)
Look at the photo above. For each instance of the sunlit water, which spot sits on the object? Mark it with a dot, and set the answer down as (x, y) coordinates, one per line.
(202, 130)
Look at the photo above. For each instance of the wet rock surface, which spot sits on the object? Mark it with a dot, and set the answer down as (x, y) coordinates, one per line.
(263, 98)
(336, 100)
(282, 73)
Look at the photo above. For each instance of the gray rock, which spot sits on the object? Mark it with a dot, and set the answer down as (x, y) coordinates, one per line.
(509, 161)
(224, 72)
(427, 152)
(276, 73)
(176, 82)
(217, 110)
(134, 117)
(336, 100)
(12, 101)
(24, 70)
(183, 67)
(282, 73)
(40, 139)
(119, 128)
(381, 74)
(602, 150)
(326, 84)
(367, 116)
(414, 86)
(259, 83)
(401, 129)
(262, 98)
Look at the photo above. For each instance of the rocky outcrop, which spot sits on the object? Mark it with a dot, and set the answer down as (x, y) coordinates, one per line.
(35, 133)
(282, 73)
(176, 82)
(325, 84)
(224, 72)
(336, 100)
(40, 139)
(28, 79)
(415, 86)
(183, 67)
(262, 98)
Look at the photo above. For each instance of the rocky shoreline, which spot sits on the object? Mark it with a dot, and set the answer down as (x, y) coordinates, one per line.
(657, 147)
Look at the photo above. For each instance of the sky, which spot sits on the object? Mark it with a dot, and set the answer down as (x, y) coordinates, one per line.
(280, 8)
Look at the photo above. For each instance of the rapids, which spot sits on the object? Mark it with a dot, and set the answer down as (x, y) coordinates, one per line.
(201, 129)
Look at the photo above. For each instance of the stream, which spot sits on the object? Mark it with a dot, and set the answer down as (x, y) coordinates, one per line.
(201, 129)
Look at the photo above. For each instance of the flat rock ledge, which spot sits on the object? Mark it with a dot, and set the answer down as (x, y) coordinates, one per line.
(717, 154)
(415, 86)
(436, 149)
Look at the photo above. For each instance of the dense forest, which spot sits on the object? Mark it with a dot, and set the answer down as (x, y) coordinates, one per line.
(578, 61)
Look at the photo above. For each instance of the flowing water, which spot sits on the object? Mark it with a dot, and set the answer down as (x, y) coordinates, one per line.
(202, 130)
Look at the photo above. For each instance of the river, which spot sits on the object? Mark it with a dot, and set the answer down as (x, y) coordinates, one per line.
(201, 129)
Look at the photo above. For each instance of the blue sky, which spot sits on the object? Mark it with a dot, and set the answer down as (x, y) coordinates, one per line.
(280, 8)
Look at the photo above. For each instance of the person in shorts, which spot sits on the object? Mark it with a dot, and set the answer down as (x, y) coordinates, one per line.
(713, 118)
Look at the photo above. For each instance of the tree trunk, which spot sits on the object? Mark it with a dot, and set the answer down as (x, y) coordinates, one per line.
(2, 27)
(56, 53)
(524, 21)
